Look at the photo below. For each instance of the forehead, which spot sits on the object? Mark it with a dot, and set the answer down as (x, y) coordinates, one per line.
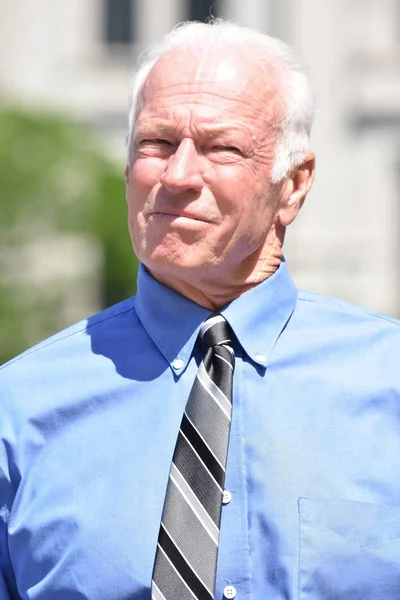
(211, 88)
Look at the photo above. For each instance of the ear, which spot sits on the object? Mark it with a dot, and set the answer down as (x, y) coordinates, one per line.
(296, 188)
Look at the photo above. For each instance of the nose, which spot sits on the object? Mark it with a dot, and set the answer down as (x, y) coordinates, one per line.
(183, 169)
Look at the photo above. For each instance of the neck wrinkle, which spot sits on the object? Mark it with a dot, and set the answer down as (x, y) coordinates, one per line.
(231, 288)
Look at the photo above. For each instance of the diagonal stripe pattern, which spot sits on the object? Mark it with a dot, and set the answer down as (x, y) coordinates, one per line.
(186, 557)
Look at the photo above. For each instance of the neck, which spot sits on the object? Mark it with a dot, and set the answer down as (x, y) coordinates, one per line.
(218, 290)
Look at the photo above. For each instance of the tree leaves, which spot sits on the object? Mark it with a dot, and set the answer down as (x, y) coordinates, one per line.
(62, 224)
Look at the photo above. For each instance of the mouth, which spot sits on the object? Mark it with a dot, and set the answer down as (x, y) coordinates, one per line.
(175, 216)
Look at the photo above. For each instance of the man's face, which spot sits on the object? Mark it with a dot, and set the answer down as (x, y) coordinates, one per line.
(200, 200)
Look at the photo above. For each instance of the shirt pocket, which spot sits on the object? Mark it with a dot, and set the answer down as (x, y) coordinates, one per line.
(348, 550)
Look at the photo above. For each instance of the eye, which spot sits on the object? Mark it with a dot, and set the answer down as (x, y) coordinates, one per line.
(233, 149)
(154, 147)
(158, 141)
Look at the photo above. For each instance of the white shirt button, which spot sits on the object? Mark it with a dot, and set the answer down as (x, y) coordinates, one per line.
(178, 363)
(261, 358)
(226, 497)
(229, 591)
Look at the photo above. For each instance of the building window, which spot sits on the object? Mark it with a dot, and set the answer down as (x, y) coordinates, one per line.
(202, 10)
(118, 22)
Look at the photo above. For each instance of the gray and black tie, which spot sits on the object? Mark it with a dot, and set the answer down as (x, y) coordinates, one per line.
(186, 557)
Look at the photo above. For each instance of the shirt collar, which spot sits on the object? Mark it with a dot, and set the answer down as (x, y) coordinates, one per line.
(257, 317)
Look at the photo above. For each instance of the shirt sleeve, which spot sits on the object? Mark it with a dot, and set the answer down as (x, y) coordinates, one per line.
(7, 580)
(4, 593)
(6, 575)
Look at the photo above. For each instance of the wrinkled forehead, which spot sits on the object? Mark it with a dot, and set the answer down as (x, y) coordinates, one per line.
(177, 66)
(232, 76)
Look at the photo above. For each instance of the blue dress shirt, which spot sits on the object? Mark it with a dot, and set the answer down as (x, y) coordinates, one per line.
(89, 420)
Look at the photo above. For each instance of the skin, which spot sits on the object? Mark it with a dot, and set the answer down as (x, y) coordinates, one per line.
(203, 214)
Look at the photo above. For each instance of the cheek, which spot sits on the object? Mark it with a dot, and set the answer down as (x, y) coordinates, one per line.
(252, 206)
(137, 192)
(145, 174)
(238, 192)
(136, 227)
(229, 185)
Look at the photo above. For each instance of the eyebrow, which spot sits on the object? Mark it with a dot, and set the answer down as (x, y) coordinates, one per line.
(162, 128)
(158, 127)
(214, 132)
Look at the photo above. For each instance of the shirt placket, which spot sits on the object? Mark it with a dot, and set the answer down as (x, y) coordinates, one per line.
(233, 570)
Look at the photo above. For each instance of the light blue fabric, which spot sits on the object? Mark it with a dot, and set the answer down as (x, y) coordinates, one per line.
(88, 424)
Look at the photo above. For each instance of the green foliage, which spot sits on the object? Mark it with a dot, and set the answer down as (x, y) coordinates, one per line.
(55, 185)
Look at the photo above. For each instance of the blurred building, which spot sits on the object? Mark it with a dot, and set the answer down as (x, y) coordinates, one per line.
(78, 55)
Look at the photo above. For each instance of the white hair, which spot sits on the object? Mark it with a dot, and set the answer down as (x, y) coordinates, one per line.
(266, 52)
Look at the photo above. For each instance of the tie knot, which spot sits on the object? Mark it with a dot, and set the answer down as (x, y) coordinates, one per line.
(215, 331)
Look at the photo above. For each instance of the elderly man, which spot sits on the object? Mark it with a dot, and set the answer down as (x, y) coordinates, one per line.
(117, 433)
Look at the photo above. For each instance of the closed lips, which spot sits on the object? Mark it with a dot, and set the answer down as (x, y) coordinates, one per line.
(178, 214)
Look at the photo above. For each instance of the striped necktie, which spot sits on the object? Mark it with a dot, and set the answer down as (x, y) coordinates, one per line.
(186, 557)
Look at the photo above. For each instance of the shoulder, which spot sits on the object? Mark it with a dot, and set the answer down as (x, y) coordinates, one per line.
(334, 327)
(103, 323)
(344, 346)
(77, 364)
(335, 310)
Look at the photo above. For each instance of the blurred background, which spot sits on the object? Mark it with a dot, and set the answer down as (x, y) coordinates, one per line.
(65, 69)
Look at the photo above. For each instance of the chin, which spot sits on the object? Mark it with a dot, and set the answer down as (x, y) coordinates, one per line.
(177, 267)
